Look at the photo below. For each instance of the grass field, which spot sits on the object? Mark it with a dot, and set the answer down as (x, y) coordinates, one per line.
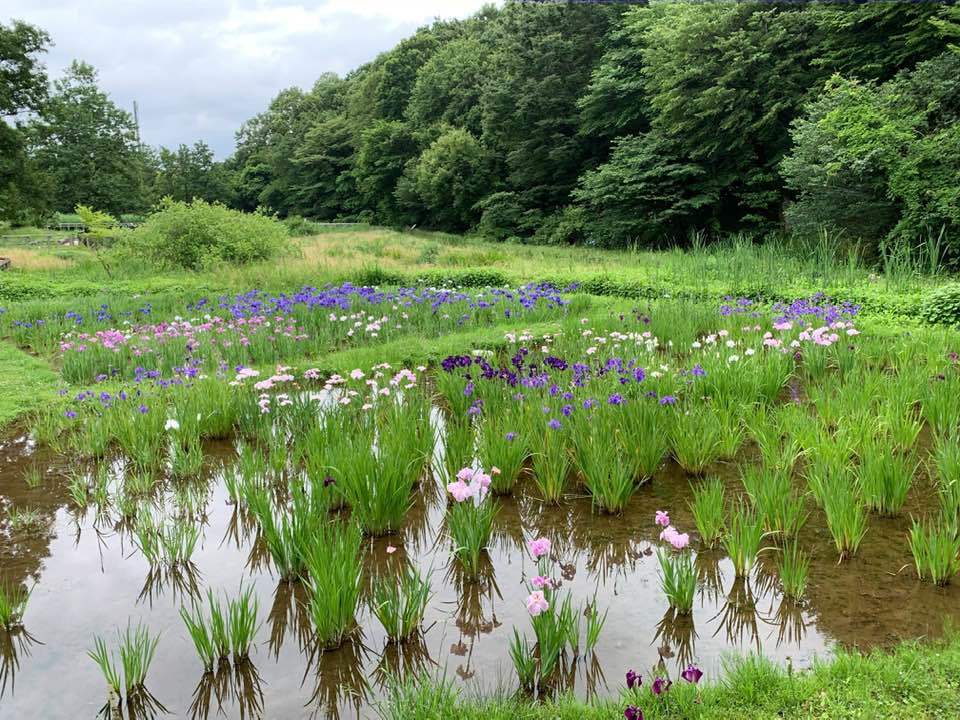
(838, 410)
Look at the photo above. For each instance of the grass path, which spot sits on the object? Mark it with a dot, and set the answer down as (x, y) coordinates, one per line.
(916, 681)
(26, 383)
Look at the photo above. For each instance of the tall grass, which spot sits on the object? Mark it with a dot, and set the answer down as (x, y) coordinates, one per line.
(13, 603)
(742, 539)
(794, 568)
(678, 579)
(707, 509)
(846, 517)
(137, 649)
(333, 574)
(885, 478)
(399, 606)
(936, 551)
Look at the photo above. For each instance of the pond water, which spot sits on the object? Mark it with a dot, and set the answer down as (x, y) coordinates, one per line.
(88, 577)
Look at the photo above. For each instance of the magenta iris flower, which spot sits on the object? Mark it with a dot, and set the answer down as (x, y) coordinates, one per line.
(661, 686)
(632, 712)
(634, 679)
(692, 674)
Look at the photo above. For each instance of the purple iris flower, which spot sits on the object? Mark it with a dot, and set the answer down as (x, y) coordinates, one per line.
(567, 410)
(634, 679)
(615, 399)
(143, 409)
(510, 436)
(668, 400)
(692, 674)
(70, 414)
(633, 713)
(554, 424)
(328, 481)
(698, 370)
(661, 685)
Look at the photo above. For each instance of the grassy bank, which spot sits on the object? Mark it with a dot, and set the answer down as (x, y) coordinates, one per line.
(912, 681)
(26, 383)
(379, 256)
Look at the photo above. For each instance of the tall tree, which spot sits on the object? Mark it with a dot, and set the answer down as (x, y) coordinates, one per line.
(89, 146)
(24, 190)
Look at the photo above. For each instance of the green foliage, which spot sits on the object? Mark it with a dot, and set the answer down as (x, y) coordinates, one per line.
(880, 161)
(678, 579)
(450, 177)
(198, 235)
(936, 551)
(941, 306)
(88, 146)
(399, 605)
(707, 510)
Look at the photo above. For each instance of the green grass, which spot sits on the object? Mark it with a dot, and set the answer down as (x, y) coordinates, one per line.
(917, 681)
(26, 383)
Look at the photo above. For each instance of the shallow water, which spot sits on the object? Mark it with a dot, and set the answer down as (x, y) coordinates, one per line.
(89, 578)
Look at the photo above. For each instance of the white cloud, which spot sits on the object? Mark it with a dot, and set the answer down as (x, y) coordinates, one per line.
(199, 68)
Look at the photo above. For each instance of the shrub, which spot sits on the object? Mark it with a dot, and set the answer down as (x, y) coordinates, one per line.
(199, 234)
(942, 306)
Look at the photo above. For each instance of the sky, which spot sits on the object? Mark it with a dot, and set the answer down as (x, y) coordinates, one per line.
(199, 68)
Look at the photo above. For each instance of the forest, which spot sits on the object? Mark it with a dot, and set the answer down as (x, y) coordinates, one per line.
(646, 125)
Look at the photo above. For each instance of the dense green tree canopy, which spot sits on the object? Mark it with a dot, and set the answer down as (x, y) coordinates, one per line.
(610, 124)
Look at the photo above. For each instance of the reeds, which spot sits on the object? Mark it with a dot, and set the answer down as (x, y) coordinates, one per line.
(846, 516)
(742, 539)
(333, 573)
(936, 551)
(137, 649)
(708, 513)
(885, 477)
(400, 604)
(13, 603)
(794, 568)
(678, 579)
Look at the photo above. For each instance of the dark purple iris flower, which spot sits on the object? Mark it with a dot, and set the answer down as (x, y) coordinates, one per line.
(632, 712)
(328, 481)
(615, 399)
(634, 679)
(567, 410)
(692, 674)
(661, 686)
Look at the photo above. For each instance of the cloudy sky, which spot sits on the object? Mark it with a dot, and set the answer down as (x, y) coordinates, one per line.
(199, 68)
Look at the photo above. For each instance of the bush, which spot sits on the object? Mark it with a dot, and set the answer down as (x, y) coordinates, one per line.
(942, 306)
(199, 235)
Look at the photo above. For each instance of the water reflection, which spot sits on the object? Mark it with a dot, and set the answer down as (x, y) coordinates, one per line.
(15, 643)
(239, 686)
(677, 638)
(339, 679)
(738, 616)
(403, 660)
(183, 579)
(139, 705)
(289, 613)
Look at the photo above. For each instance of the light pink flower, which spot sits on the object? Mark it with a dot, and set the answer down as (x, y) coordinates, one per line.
(537, 603)
(465, 474)
(539, 547)
(662, 518)
(391, 549)
(677, 539)
(540, 582)
(460, 490)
